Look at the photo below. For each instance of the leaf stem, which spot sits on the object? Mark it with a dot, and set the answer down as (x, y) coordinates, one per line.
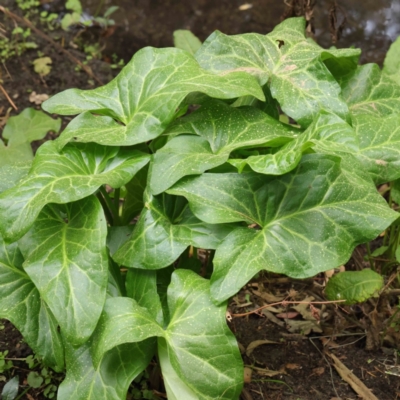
(111, 206)
(371, 263)
(117, 194)
(105, 208)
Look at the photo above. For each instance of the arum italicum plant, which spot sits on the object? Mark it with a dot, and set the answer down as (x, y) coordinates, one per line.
(99, 281)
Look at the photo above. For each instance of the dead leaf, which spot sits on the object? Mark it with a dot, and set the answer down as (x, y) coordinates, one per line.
(38, 98)
(269, 297)
(289, 315)
(245, 6)
(41, 65)
(242, 349)
(271, 317)
(29, 396)
(303, 326)
(318, 371)
(256, 343)
(304, 309)
(292, 366)
(269, 372)
(247, 374)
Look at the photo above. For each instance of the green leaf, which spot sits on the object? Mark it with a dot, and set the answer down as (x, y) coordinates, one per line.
(181, 156)
(391, 64)
(110, 378)
(34, 379)
(395, 192)
(367, 91)
(133, 203)
(229, 128)
(74, 5)
(164, 230)
(175, 386)
(222, 129)
(353, 286)
(379, 251)
(307, 221)
(379, 146)
(11, 173)
(141, 285)
(20, 303)
(397, 254)
(28, 126)
(141, 101)
(65, 256)
(20, 131)
(77, 172)
(270, 106)
(293, 66)
(328, 134)
(10, 389)
(201, 350)
(186, 40)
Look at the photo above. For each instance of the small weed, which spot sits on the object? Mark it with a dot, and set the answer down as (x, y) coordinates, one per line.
(5, 364)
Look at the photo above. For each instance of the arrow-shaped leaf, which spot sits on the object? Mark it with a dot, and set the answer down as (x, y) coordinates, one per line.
(201, 350)
(328, 134)
(142, 100)
(293, 65)
(76, 172)
(307, 221)
(164, 230)
(20, 303)
(222, 129)
(66, 258)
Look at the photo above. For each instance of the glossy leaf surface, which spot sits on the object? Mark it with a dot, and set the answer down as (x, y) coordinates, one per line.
(143, 98)
(77, 172)
(328, 134)
(65, 256)
(20, 303)
(293, 65)
(391, 64)
(367, 91)
(110, 378)
(222, 129)
(379, 146)
(201, 349)
(13, 172)
(141, 285)
(164, 230)
(310, 219)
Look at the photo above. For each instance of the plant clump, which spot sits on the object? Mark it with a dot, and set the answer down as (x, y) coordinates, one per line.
(275, 169)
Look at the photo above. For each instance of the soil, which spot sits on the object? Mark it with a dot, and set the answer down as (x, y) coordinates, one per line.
(298, 364)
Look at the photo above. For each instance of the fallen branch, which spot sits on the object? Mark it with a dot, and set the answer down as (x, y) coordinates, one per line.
(8, 98)
(29, 24)
(356, 384)
(283, 303)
